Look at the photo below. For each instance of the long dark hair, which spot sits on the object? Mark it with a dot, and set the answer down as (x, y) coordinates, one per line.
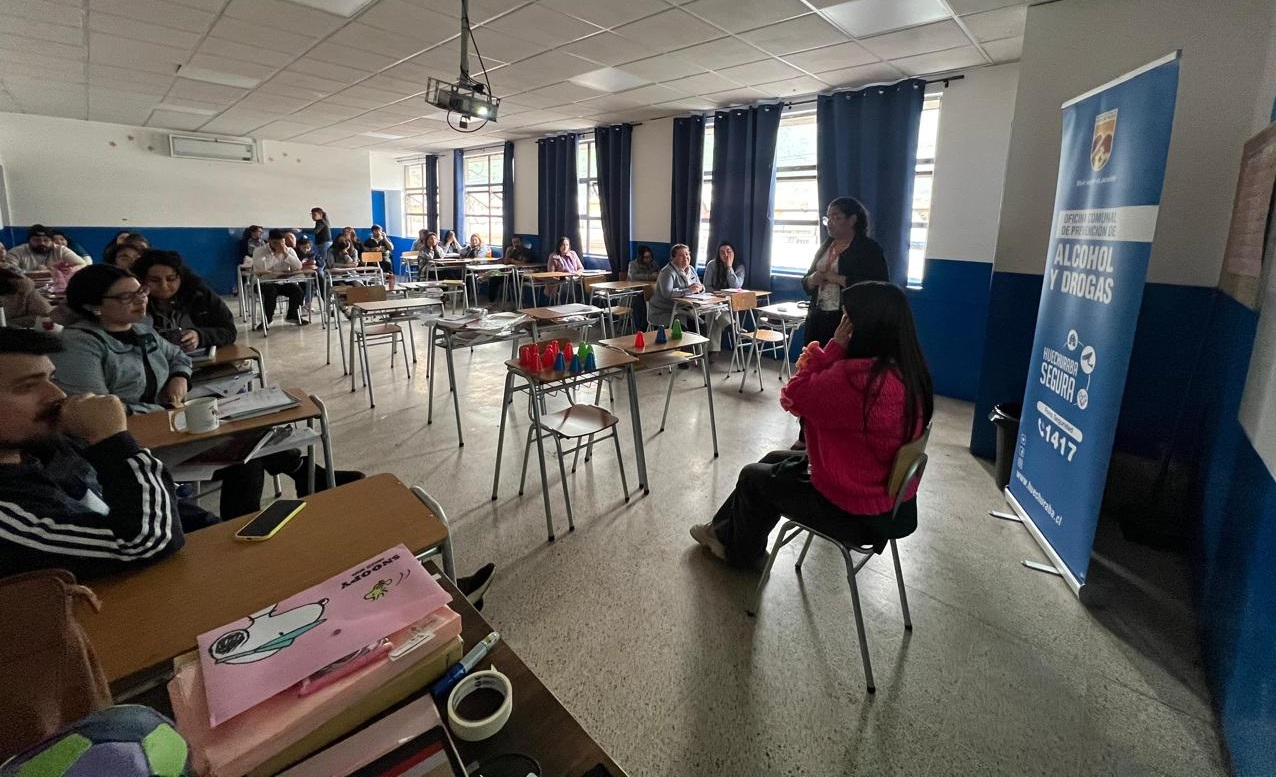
(885, 333)
(89, 285)
(849, 206)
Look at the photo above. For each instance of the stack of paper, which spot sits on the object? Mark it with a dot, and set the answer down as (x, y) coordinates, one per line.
(256, 403)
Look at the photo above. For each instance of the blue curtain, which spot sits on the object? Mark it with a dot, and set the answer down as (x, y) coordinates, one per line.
(558, 210)
(867, 149)
(432, 192)
(614, 147)
(458, 195)
(744, 186)
(507, 194)
(688, 174)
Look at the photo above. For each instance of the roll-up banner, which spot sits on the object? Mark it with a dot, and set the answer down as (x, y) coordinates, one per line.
(1111, 169)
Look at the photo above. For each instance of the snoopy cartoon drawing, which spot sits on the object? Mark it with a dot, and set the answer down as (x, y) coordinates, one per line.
(266, 634)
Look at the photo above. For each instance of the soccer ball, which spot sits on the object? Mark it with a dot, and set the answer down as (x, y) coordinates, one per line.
(127, 740)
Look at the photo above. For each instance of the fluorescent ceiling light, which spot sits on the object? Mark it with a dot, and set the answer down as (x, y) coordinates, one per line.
(216, 77)
(346, 8)
(609, 79)
(383, 135)
(186, 109)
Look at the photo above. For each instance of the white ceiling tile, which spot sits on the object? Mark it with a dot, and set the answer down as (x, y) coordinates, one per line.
(349, 56)
(103, 73)
(206, 5)
(764, 72)
(117, 113)
(837, 57)
(494, 45)
(555, 94)
(998, 24)
(41, 30)
(230, 49)
(607, 13)
(20, 43)
(398, 46)
(319, 136)
(918, 40)
(179, 17)
(301, 84)
(651, 95)
(14, 63)
(869, 17)
(607, 102)
(672, 29)
(724, 52)
(876, 73)
(198, 90)
(480, 10)
(540, 22)
(705, 83)
(110, 50)
(1005, 50)
(607, 48)
(739, 15)
(663, 68)
(805, 32)
(400, 15)
(272, 102)
(239, 121)
(740, 96)
(689, 104)
(8, 104)
(609, 79)
(196, 106)
(282, 130)
(554, 66)
(409, 71)
(940, 61)
(176, 120)
(236, 67)
(336, 73)
(49, 13)
(288, 18)
(792, 87)
(142, 31)
(250, 34)
(974, 6)
(361, 98)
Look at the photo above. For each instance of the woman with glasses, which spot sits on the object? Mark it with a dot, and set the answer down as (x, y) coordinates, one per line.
(847, 257)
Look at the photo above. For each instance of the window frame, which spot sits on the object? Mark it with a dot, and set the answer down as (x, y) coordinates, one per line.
(591, 223)
(804, 173)
(494, 191)
(924, 167)
(412, 218)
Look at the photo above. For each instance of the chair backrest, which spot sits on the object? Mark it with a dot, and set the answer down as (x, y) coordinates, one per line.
(371, 257)
(742, 300)
(910, 462)
(365, 294)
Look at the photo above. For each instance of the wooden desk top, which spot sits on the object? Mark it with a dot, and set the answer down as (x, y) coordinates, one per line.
(391, 305)
(549, 314)
(152, 430)
(621, 285)
(154, 614)
(539, 725)
(235, 352)
(626, 343)
(549, 275)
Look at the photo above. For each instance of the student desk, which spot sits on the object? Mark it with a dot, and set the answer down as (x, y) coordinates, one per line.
(152, 615)
(653, 356)
(788, 314)
(448, 335)
(359, 311)
(573, 315)
(608, 361)
(306, 277)
(223, 364)
(155, 432)
(612, 292)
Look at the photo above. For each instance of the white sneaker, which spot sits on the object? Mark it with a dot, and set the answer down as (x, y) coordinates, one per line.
(703, 533)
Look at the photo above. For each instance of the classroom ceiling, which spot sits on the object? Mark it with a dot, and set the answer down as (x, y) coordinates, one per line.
(352, 73)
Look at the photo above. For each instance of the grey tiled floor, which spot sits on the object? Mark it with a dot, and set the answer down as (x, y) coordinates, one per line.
(646, 641)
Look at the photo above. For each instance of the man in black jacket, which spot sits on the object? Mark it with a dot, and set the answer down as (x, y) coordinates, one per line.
(76, 490)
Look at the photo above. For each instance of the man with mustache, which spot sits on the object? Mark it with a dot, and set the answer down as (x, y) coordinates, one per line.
(40, 252)
(76, 490)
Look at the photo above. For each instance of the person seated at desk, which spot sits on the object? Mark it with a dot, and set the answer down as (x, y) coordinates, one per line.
(121, 255)
(723, 271)
(678, 279)
(307, 252)
(450, 245)
(379, 241)
(76, 491)
(181, 306)
(518, 252)
(427, 247)
(22, 303)
(564, 259)
(110, 350)
(40, 253)
(476, 249)
(60, 239)
(864, 394)
(277, 260)
(643, 267)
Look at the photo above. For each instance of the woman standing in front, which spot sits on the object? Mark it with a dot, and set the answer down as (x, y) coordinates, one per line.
(847, 257)
(864, 394)
(323, 231)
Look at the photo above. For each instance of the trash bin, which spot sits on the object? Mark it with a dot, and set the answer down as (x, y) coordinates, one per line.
(1005, 417)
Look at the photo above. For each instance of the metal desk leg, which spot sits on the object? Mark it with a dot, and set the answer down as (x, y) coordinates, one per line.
(708, 386)
(445, 549)
(367, 364)
(456, 395)
(325, 436)
(636, 417)
(540, 453)
(429, 373)
(500, 438)
(355, 314)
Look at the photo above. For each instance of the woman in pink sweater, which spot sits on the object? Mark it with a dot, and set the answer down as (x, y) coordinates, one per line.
(863, 395)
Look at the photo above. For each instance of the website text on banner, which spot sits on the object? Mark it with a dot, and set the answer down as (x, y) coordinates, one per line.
(1111, 168)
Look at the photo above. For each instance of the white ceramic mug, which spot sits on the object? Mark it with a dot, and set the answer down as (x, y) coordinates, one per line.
(198, 416)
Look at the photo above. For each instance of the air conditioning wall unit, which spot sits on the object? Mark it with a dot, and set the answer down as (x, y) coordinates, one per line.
(214, 148)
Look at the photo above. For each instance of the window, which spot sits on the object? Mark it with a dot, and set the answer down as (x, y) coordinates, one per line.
(590, 207)
(795, 234)
(484, 196)
(706, 197)
(924, 175)
(416, 198)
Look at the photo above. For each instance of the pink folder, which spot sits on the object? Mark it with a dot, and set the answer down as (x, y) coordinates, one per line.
(248, 661)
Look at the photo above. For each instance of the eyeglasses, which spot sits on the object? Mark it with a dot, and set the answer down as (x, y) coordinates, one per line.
(130, 297)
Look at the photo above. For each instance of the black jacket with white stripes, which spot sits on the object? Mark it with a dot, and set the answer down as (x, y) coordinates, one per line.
(92, 510)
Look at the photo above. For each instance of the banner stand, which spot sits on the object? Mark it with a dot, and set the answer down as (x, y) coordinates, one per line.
(1060, 568)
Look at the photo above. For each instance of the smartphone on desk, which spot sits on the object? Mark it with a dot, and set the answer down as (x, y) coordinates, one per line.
(270, 520)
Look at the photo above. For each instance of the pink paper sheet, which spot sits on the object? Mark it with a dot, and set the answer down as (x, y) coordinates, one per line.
(248, 661)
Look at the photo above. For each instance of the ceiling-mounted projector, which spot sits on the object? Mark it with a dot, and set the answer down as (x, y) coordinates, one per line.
(467, 98)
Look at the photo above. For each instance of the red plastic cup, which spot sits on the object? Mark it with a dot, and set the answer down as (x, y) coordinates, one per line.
(640, 341)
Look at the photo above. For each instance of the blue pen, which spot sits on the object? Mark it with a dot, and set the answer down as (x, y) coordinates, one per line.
(453, 675)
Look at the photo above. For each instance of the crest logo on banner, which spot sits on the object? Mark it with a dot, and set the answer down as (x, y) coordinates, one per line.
(1104, 137)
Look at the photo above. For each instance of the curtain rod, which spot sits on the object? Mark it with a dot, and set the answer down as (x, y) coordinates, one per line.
(943, 81)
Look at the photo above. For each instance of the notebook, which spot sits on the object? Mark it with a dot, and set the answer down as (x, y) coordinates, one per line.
(255, 403)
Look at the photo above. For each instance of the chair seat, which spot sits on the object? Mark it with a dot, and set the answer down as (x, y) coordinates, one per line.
(764, 335)
(379, 330)
(620, 310)
(578, 421)
(864, 533)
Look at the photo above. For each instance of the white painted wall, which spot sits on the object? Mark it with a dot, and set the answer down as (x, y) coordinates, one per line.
(652, 166)
(1071, 47)
(66, 171)
(384, 172)
(970, 164)
(526, 219)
